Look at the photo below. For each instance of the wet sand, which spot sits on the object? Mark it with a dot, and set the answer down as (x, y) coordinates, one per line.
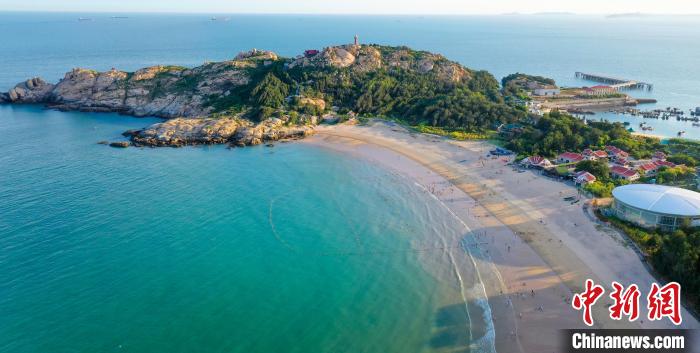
(533, 249)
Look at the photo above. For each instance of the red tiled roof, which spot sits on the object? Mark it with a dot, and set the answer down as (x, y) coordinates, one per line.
(571, 156)
(646, 167)
(623, 171)
(616, 152)
(665, 164)
(585, 176)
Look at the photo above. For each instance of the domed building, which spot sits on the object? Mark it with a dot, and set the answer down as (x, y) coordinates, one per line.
(657, 206)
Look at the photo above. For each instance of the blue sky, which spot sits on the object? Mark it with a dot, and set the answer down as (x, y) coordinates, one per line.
(359, 6)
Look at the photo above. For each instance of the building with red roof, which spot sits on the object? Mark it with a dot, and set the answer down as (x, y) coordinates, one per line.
(599, 90)
(616, 153)
(593, 155)
(658, 155)
(664, 164)
(569, 157)
(620, 172)
(649, 168)
(537, 162)
(583, 177)
(310, 52)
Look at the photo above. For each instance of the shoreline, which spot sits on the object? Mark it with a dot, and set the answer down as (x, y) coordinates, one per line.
(534, 242)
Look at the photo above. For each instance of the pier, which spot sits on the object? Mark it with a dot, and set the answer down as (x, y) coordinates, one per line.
(614, 82)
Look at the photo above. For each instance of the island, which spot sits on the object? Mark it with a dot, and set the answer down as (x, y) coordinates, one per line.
(260, 97)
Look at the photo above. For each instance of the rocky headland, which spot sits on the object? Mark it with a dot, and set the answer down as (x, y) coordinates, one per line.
(258, 96)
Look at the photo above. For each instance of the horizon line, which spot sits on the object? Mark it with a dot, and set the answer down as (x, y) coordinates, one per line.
(545, 13)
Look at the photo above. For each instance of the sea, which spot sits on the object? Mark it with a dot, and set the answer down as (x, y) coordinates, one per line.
(293, 248)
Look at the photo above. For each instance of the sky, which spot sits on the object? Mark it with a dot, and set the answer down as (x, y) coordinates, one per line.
(360, 6)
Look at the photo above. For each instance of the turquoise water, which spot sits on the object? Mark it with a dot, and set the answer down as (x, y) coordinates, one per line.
(660, 50)
(284, 249)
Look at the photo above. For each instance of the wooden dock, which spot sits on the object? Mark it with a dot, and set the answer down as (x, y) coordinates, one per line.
(615, 82)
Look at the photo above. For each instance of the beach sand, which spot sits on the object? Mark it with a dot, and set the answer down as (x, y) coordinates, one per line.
(529, 239)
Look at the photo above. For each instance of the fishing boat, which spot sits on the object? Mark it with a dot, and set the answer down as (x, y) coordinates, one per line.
(681, 133)
(84, 19)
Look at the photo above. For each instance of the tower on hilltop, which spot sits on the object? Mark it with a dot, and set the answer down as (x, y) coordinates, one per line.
(357, 42)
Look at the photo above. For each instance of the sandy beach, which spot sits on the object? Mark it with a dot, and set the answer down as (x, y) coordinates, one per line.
(535, 249)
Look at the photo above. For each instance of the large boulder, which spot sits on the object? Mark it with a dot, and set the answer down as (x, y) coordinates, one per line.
(34, 90)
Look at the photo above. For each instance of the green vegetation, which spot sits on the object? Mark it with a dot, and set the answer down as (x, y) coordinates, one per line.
(515, 85)
(680, 176)
(600, 188)
(270, 92)
(455, 134)
(598, 168)
(412, 97)
(675, 256)
(556, 132)
(683, 159)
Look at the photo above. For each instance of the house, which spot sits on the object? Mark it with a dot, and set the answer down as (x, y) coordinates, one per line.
(616, 153)
(310, 52)
(569, 157)
(546, 91)
(620, 172)
(658, 155)
(594, 155)
(666, 164)
(583, 178)
(648, 168)
(537, 162)
(598, 90)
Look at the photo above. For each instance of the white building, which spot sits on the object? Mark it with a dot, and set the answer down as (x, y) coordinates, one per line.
(657, 206)
(546, 91)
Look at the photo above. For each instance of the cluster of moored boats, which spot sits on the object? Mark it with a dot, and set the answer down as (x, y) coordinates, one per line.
(663, 114)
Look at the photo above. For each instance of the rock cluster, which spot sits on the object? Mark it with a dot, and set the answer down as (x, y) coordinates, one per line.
(200, 131)
(369, 58)
(34, 90)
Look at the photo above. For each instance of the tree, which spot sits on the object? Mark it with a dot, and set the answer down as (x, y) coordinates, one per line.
(270, 92)
(598, 168)
(683, 159)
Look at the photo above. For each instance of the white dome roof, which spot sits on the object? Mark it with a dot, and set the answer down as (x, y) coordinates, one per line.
(660, 199)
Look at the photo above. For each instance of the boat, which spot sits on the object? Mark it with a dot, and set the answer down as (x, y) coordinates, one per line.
(696, 124)
(626, 123)
(681, 133)
(84, 19)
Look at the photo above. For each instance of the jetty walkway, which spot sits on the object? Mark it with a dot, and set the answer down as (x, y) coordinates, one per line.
(615, 82)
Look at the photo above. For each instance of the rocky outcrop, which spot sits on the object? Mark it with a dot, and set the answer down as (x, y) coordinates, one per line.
(202, 131)
(163, 91)
(34, 90)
